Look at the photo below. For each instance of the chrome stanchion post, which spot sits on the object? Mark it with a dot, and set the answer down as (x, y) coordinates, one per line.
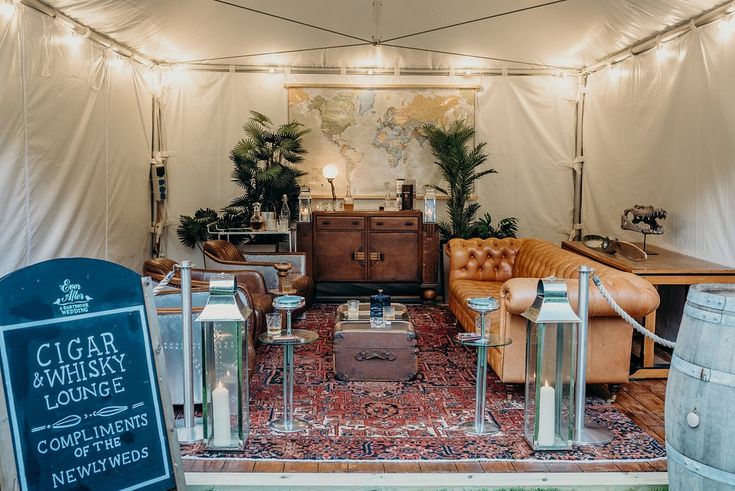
(190, 432)
(585, 433)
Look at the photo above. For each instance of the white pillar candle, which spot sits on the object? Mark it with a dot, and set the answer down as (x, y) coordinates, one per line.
(546, 416)
(221, 416)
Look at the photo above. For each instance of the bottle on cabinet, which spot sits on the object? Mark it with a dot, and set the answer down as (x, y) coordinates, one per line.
(349, 202)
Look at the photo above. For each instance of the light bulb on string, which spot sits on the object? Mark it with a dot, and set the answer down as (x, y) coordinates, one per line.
(7, 9)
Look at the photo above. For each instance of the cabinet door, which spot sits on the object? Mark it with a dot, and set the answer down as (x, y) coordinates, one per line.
(340, 255)
(394, 256)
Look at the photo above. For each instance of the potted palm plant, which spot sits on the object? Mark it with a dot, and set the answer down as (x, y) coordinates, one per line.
(265, 168)
(461, 167)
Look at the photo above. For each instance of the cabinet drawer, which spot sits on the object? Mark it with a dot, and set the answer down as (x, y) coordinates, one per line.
(394, 223)
(340, 223)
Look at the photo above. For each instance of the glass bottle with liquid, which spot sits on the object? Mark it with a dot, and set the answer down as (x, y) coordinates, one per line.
(284, 219)
(377, 302)
(257, 220)
(349, 202)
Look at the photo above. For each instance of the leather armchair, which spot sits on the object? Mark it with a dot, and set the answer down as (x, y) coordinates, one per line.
(509, 269)
(223, 255)
(250, 283)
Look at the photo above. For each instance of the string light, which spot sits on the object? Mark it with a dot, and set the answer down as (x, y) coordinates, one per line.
(7, 9)
(370, 71)
(272, 70)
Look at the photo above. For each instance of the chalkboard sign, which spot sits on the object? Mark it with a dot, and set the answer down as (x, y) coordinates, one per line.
(80, 380)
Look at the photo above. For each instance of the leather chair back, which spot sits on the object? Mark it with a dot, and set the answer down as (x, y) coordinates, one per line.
(482, 259)
(223, 250)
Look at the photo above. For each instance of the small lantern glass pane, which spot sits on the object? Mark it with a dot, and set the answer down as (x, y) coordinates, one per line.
(225, 396)
(225, 404)
(305, 205)
(429, 205)
(550, 366)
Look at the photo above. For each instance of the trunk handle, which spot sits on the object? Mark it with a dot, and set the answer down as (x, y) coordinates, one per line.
(373, 355)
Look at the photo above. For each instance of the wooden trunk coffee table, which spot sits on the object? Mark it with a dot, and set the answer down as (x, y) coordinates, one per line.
(663, 267)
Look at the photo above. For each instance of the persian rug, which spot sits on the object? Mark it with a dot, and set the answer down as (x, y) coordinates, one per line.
(417, 420)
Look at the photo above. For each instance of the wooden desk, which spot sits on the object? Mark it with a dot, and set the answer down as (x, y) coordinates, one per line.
(664, 267)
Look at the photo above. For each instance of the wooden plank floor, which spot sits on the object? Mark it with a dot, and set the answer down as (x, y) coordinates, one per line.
(642, 401)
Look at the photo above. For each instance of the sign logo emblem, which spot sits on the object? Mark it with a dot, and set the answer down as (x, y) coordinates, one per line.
(73, 301)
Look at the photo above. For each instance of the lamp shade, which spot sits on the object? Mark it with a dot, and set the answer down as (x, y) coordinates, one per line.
(330, 171)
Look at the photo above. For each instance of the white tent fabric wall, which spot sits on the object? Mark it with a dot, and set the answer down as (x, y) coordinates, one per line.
(528, 123)
(74, 156)
(659, 130)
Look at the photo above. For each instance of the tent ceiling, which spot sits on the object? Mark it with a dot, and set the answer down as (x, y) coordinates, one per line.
(569, 33)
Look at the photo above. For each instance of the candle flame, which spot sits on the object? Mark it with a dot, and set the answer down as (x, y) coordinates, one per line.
(220, 385)
(546, 383)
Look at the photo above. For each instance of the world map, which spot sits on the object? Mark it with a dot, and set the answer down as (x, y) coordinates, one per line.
(373, 135)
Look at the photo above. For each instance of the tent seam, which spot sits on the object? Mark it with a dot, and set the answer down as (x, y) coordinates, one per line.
(24, 95)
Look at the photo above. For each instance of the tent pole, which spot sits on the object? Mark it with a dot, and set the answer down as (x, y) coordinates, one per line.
(578, 163)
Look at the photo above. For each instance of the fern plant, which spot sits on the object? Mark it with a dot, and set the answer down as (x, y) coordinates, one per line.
(460, 165)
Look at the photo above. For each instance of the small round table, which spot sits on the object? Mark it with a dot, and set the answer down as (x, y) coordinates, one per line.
(482, 306)
(300, 337)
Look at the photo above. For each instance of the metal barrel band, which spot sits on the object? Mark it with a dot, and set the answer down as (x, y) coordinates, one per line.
(699, 468)
(709, 316)
(702, 373)
(706, 296)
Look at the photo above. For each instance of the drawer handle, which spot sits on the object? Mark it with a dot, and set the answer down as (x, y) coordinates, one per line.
(358, 256)
(379, 224)
(376, 256)
(408, 223)
(375, 355)
(326, 222)
(355, 222)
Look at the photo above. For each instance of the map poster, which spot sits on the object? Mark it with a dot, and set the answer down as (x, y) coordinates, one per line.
(79, 377)
(373, 135)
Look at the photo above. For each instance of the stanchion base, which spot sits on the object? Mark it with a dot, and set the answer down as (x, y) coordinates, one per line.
(488, 428)
(592, 434)
(189, 435)
(297, 425)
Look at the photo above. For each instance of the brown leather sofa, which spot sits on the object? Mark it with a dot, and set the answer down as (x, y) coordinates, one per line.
(509, 269)
(223, 255)
(251, 283)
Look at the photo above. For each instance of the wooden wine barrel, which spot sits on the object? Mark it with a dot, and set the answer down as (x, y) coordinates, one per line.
(700, 394)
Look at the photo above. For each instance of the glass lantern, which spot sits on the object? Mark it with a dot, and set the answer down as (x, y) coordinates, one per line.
(225, 396)
(551, 338)
(305, 204)
(429, 205)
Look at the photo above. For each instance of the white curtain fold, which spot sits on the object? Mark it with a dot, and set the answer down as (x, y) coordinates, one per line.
(71, 144)
(658, 130)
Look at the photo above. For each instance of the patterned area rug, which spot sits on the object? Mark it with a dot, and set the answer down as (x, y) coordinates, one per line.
(417, 420)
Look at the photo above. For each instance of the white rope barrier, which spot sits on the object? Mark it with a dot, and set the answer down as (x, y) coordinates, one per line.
(630, 320)
(165, 281)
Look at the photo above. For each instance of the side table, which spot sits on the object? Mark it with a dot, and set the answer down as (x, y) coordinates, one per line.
(287, 423)
(482, 306)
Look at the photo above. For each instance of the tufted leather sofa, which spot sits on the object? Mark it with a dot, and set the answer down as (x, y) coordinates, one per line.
(509, 269)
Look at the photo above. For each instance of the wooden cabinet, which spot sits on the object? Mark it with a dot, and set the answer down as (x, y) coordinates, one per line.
(347, 250)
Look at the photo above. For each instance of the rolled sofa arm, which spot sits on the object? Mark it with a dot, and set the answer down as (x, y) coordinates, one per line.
(635, 295)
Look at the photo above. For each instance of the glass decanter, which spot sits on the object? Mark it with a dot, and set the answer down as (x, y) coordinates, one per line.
(257, 220)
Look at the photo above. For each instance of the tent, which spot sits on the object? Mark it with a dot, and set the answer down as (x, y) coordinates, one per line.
(626, 101)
